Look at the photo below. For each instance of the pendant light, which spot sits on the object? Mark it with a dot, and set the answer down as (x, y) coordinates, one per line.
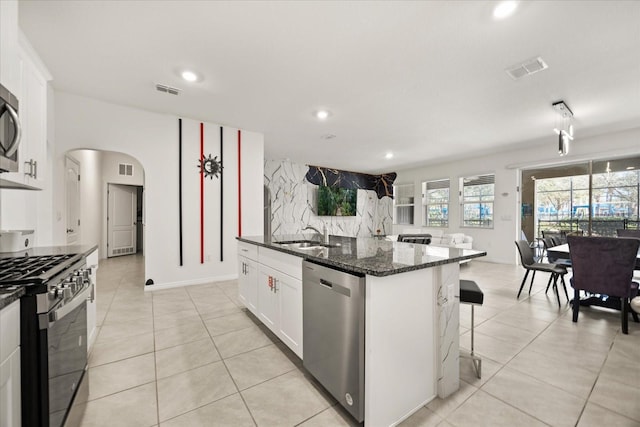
(565, 130)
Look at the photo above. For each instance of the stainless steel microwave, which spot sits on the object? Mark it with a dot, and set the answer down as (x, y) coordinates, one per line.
(9, 131)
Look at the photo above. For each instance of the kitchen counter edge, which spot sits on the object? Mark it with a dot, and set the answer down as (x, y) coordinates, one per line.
(349, 267)
(10, 294)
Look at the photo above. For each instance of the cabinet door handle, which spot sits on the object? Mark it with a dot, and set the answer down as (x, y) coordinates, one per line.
(30, 164)
(35, 169)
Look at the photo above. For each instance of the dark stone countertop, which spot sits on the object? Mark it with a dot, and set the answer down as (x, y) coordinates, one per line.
(10, 294)
(368, 255)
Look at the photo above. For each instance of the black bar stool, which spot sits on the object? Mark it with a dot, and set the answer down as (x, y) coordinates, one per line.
(470, 293)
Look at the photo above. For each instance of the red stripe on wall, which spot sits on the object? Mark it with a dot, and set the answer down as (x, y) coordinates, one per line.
(201, 194)
(239, 185)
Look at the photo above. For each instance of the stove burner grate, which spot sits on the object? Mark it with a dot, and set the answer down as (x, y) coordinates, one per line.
(28, 268)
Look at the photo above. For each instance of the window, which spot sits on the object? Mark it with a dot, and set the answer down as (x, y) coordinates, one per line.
(477, 200)
(435, 203)
(403, 204)
(564, 204)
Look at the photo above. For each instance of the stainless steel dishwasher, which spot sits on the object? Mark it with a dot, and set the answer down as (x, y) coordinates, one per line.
(333, 331)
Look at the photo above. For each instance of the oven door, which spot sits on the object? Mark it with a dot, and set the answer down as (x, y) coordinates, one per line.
(67, 354)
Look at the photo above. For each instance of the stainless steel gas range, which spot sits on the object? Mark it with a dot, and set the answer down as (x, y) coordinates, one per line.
(53, 335)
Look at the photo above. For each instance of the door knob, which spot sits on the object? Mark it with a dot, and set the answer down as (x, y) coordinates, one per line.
(69, 230)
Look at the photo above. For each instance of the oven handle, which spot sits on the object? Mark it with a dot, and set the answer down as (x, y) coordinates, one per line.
(78, 300)
(92, 295)
(13, 147)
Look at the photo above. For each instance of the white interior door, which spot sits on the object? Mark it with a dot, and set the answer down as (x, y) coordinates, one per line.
(72, 183)
(121, 220)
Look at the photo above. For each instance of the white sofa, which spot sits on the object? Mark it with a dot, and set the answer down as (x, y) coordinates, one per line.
(440, 238)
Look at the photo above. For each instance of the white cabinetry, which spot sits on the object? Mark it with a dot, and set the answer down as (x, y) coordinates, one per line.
(9, 45)
(289, 291)
(272, 289)
(248, 276)
(280, 296)
(10, 401)
(92, 262)
(32, 96)
(268, 298)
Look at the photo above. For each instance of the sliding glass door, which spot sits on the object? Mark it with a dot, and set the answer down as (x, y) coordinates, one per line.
(594, 198)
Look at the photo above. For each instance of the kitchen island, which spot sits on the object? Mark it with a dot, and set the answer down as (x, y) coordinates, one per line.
(411, 326)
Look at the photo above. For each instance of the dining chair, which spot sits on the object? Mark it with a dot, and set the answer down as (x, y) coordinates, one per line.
(536, 245)
(559, 237)
(623, 232)
(604, 266)
(423, 239)
(528, 262)
(548, 243)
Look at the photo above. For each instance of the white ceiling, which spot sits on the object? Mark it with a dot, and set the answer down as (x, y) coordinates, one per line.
(425, 80)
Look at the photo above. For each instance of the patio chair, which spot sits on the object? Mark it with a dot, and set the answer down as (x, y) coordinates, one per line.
(528, 262)
(604, 266)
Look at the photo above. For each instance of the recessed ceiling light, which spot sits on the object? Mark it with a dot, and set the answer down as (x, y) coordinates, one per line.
(189, 76)
(630, 168)
(389, 155)
(322, 114)
(504, 9)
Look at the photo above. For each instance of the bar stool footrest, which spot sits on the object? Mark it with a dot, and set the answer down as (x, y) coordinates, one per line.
(477, 362)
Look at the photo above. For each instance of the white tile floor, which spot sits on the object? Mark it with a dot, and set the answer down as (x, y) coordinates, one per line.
(193, 357)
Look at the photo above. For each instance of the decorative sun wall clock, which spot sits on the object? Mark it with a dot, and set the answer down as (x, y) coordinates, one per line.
(210, 166)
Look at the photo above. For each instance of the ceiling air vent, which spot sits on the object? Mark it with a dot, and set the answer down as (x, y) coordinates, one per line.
(167, 89)
(527, 68)
(125, 169)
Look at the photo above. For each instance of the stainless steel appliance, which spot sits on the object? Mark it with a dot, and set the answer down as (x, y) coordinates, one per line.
(53, 335)
(333, 331)
(10, 131)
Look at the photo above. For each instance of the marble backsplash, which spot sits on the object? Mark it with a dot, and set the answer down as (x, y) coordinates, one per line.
(293, 205)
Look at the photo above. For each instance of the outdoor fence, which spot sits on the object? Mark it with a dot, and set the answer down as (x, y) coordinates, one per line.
(599, 227)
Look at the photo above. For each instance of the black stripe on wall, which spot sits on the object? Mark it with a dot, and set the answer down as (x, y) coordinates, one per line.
(180, 184)
(221, 198)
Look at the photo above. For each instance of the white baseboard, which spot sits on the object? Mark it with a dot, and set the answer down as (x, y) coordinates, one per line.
(202, 281)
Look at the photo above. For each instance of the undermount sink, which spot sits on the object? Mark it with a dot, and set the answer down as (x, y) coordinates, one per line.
(304, 244)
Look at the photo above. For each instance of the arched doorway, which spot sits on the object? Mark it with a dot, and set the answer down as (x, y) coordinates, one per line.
(107, 179)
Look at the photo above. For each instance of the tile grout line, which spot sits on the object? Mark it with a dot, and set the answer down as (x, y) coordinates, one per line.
(227, 369)
(604, 362)
(481, 387)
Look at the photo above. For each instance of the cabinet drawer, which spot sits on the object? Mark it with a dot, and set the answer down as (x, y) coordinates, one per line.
(248, 250)
(285, 263)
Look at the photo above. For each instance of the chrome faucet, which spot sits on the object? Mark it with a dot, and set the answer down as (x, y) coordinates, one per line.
(324, 233)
